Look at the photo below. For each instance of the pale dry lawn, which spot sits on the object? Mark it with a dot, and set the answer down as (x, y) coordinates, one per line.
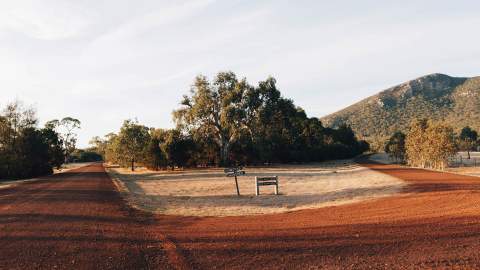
(472, 171)
(463, 165)
(207, 192)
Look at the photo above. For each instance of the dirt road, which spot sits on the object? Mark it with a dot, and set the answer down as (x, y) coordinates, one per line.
(77, 220)
(73, 220)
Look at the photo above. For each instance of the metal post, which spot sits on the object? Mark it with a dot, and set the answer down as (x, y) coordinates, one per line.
(236, 184)
(276, 186)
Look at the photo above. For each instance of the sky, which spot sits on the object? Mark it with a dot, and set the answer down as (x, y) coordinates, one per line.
(104, 61)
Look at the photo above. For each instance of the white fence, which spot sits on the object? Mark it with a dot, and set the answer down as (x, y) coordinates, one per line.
(462, 160)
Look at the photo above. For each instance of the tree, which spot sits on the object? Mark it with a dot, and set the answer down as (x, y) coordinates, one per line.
(66, 127)
(429, 144)
(227, 121)
(99, 145)
(395, 146)
(56, 151)
(25, 150)
(177, 148)
(440, 144)
(155, 158)
(468, 138)
(216, 109)
(415, 143)
(132, 141)
(86, 155)
(33, 158)
(16, 118)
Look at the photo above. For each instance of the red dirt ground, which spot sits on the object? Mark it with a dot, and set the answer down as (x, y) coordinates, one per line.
(77, 220)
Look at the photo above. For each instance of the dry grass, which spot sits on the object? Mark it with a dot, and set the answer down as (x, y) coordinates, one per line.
(207, 192)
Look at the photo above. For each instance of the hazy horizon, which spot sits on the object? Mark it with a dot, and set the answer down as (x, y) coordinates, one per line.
(106, 61)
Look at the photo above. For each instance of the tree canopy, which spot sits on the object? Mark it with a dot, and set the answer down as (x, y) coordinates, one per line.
(227, 121)
(26, 150)
(429, 144)
(395, 146)
(468, 139)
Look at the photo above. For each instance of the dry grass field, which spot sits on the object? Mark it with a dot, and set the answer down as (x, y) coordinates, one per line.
(207, 192)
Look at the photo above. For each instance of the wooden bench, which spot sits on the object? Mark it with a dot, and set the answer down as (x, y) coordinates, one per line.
(266, 181)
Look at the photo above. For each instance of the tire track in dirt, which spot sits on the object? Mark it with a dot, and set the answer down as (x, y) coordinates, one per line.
(174, 254)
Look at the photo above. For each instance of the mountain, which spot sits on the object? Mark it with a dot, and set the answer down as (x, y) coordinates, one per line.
(436, 96)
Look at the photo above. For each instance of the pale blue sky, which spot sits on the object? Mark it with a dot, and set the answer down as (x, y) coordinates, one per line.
(106, 61)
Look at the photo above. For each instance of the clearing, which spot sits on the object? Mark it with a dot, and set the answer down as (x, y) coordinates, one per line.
(207, 192)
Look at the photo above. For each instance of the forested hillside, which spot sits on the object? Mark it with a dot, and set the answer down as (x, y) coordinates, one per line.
(437, 96)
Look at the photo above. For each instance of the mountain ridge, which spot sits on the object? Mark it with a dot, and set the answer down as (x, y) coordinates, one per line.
(437, 96)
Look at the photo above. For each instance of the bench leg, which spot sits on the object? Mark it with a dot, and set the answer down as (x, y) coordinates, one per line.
(257, 191)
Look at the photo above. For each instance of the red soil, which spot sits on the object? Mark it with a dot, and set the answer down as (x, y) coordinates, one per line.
(77, 220)
(435, 223)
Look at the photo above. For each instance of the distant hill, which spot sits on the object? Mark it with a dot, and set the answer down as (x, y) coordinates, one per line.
(436, 96)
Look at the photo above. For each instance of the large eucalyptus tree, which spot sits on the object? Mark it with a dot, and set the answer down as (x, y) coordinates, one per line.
(215, 108)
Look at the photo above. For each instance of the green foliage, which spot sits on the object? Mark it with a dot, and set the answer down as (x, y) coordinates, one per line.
(395, 146)
(56, 150)
(131, 141)
(468, 139)
(66, 128)
(25, 150)
(247, 124)
(228, 121)
(429, 144)
(468, 134)
(178, 148)
(87, 155)
(216, 109)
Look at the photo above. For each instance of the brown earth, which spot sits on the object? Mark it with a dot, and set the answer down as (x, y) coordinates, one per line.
(73, 220)
(77, 221)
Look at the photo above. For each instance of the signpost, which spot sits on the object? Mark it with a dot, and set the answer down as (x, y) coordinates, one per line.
(234, 172)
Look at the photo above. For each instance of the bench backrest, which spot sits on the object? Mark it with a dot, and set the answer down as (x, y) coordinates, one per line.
(266, 181)
(267, 178)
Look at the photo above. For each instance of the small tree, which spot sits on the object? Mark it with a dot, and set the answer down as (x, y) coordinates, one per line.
(395, 146)
(415, 142)
(468, 139)
(177, 148)
(154, 156)
(132, 140)
(440, 145)
(66, 128)
(55, 143)
(429, 144)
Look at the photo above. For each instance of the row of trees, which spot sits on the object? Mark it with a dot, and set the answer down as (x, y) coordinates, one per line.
(228, 121)
(28, 151)
(430, 144)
